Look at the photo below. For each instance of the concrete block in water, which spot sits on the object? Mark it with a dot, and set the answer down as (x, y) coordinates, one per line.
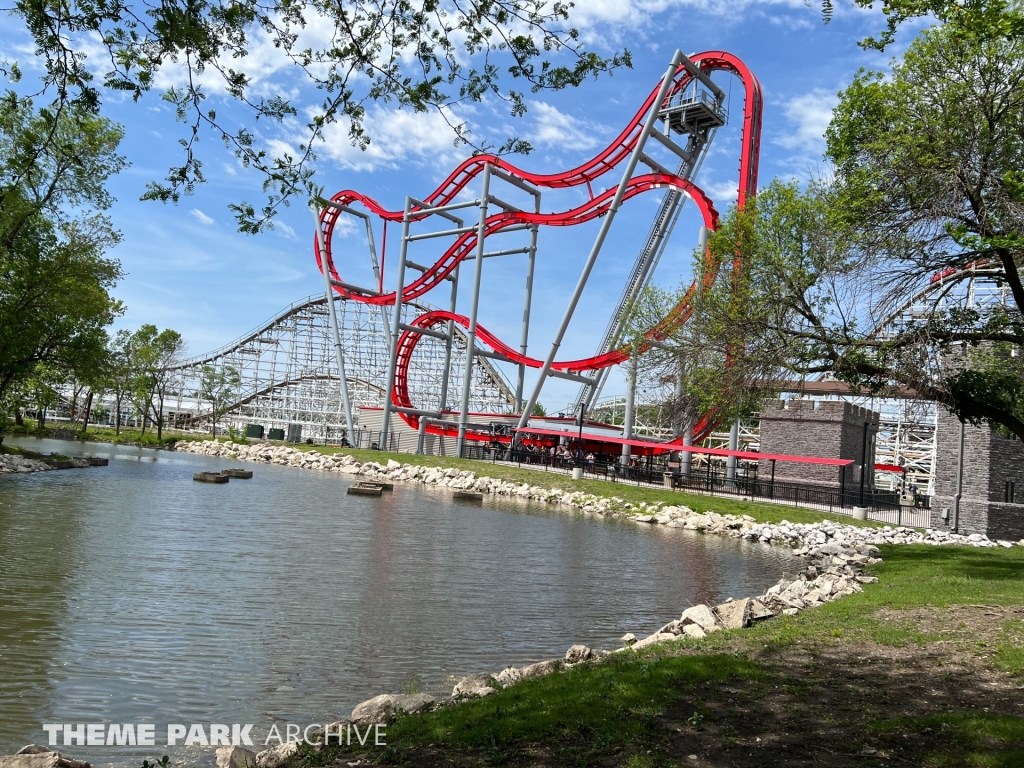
(362, 490)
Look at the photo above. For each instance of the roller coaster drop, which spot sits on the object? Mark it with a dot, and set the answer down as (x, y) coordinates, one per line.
(683, 106)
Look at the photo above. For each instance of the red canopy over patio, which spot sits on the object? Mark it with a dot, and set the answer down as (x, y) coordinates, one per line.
(657, 447)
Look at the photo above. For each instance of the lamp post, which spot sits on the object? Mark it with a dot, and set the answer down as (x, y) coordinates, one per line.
(582, 407)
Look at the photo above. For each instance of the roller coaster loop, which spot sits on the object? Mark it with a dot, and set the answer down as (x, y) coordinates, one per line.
(465, 245)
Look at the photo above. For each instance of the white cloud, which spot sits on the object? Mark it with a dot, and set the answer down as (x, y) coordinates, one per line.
(722, 193)
(285, 230)
(618, 15)
(201, 217)
(398, 136)
(559, 130)
(809, 115)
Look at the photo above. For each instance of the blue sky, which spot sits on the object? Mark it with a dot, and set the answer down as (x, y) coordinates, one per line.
(189, 269)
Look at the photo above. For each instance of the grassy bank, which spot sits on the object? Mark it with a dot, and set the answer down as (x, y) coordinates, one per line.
(100, 434)
(924, 668)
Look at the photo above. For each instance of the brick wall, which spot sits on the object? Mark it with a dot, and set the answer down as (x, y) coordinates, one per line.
(991, 460)
(831, 429)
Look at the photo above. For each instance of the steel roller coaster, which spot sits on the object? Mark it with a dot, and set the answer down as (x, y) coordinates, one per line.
(687, 102)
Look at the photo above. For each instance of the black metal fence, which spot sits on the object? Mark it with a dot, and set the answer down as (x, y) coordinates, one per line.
(883, 506)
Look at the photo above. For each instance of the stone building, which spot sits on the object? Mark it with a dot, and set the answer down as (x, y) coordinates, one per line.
(992, 485)
(830, 429)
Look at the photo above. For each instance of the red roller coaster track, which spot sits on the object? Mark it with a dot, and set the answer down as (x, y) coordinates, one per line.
(466, 244)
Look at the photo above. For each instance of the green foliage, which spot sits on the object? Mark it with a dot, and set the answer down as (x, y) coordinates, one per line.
(55, 282)
(966, 738)
(219, 388)
(972, 18)
(423, 56)
(1001, 390)
(760, 311)
(928, 177)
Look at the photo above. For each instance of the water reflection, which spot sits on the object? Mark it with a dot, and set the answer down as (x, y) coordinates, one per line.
(131, 594)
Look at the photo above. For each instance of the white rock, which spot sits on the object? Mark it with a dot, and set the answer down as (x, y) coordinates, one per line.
(577, 653)
(278, 756)
(235, 757)
(692, 630)
(540, 669)
(385, 708)
(474, 686)
(700, 615)
(657, 637)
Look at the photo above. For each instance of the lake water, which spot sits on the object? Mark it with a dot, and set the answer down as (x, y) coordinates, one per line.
(131, 594)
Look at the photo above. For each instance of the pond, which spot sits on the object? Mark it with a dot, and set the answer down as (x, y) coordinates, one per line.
(131, 594)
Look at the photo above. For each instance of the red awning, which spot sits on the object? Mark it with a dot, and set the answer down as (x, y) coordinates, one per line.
(890, 468)
(664, 447)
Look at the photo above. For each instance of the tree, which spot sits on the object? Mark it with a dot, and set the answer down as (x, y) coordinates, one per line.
(929, 178)
(746, 327)
(153, 353)
(219, 388)
(54, 278)
(986, 18)
(422, 56)
(118, 372)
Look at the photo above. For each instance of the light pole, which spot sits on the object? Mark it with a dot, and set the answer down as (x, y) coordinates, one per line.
(582, 407)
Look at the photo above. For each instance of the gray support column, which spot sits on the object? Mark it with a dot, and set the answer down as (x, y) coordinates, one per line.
(421, 434)
(385, 321)
(446, 371)
(524, 340)
(396, 319)
(702, 239)
(339, 352)
(467, 379)
(606, 224)
(686, 459)
(734, 442)
(627, 423)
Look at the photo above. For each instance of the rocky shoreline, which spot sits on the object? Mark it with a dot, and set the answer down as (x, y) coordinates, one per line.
(797, 535)
(12, 463)
(835, 556)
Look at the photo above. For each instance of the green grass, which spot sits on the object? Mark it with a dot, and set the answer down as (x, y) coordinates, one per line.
(618, 707)
(1009, 655)
(103, 434)
(587, 710)
(965, 739)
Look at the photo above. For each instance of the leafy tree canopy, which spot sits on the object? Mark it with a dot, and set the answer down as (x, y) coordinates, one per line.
(55, 303)
(981, 18)
(867, 276)
(426, 55)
